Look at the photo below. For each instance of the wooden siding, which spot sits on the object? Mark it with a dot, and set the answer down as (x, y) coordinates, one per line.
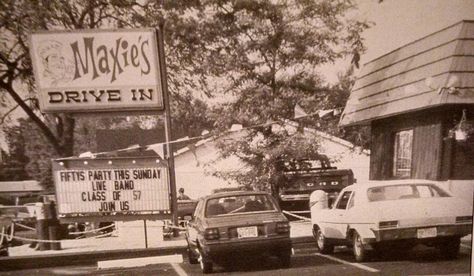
(381, 153)
(427, 145)
(408, 79)
(463, 160)
(435, 155)
(427, 148)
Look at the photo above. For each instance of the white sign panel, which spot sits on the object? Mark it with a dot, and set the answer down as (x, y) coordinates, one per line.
(97, 70)
(117, 190)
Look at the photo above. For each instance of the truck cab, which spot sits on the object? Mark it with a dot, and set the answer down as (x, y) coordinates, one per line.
(302, 181)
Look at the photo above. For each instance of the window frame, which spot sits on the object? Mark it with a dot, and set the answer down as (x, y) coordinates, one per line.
(398, 172)
(336, 206)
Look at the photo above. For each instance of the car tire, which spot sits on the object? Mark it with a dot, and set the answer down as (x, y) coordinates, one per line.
(450, 248)
(360, 253)
(193, 259)
(321, 242)
(285, 259)
(205, 263)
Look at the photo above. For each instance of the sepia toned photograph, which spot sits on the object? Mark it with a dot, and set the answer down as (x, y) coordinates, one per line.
(236, 137)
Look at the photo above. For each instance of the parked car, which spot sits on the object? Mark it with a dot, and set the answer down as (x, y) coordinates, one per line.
(227, 224)
(392, 214)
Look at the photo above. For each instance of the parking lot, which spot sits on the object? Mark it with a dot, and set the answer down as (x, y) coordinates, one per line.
(306, 260)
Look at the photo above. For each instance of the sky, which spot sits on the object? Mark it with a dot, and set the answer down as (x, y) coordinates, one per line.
(397, 22)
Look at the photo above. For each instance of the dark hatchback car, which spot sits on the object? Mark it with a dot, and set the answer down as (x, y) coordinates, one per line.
(232, 224)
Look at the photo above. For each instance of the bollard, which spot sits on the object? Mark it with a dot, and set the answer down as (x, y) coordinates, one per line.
(53, 227)
(41, 226)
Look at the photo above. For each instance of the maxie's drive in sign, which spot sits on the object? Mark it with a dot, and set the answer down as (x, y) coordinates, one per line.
(97, 70)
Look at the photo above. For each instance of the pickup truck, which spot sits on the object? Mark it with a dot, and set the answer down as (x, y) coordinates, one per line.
(294, 196)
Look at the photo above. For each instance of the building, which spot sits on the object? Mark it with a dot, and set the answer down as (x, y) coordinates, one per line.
(419, 103)
(12, 192)
(195, 165)
(197, 162)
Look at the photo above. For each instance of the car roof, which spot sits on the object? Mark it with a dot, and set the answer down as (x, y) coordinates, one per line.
(382, 183)
(235, 193)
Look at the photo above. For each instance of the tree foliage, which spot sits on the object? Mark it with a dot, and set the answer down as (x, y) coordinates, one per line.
(263, 56)
(17, 87)
(269, 52)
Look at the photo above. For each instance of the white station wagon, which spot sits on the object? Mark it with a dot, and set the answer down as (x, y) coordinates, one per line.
(391, 214)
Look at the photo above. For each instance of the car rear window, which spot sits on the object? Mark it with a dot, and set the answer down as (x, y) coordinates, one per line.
(239, 204)
(396, 192)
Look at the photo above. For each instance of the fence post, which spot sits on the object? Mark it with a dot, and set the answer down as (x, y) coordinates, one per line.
(41, 226)
(53, 227)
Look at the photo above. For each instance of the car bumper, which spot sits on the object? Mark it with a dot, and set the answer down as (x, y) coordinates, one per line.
(412, 232)
(276, 244)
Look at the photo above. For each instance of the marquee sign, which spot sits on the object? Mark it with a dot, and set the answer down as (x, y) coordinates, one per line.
(111, 187)
(97, 70)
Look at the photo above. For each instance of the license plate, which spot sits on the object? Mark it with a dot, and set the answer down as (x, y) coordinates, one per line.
(426, 233)
(247, 232)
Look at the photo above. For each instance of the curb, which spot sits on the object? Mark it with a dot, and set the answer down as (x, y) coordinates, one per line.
(82, 258)
(91, 258)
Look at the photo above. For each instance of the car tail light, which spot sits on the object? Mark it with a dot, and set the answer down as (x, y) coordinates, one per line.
(388, 224)
(282, 227)
(464, 219)
(211, 234)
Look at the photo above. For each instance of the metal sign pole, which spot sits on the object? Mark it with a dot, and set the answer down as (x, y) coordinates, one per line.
(146, 236)
(169, 147)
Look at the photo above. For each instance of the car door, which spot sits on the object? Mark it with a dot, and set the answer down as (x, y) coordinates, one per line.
(338, 220)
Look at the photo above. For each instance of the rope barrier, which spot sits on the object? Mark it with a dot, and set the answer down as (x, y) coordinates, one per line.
(32, 240)
(296, 216)
(300, 212)
(1, 233)
(12, 230)
(50, 241)
(98, 236)
(24, 226)
(168, 224)
(92, 230)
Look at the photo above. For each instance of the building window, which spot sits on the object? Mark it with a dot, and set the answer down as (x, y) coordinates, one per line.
(403, 146)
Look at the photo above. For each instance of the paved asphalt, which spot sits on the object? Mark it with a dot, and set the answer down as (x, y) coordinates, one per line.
(306, 261)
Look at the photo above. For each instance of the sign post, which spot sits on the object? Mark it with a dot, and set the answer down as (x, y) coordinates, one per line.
(168, 134)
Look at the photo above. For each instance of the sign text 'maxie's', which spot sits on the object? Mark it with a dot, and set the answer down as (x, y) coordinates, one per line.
(103, 60)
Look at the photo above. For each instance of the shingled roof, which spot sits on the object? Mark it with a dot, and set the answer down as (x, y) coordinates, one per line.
(435, 70)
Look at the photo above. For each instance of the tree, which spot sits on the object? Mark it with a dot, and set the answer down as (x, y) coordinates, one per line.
(13, 166)
(269, 52)
(19, 18)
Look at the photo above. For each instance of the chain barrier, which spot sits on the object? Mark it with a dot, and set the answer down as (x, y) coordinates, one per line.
(296, 216)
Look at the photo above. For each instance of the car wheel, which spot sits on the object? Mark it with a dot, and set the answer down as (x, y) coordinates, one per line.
(450, 249)
(321, 242)
(206, 264)
(285, 259)
(193, 259)
(360, 253)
